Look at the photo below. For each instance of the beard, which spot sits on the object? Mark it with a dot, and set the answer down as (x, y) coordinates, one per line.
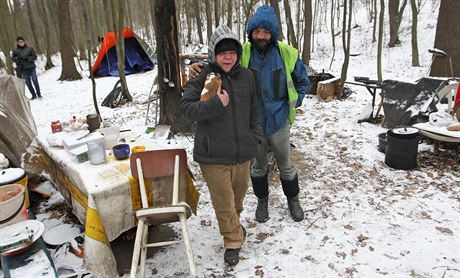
(262, 44)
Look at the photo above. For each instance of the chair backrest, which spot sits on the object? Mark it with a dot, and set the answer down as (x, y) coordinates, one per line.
(449, 92)
(158, 163)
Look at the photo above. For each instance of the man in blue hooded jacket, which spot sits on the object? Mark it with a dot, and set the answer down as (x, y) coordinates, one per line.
(283, 81)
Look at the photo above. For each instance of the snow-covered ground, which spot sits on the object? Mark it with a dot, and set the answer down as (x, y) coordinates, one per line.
(363, 219)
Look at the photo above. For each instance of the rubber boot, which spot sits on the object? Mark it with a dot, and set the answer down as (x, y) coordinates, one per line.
(291, 190)
(262, 210)
(295, 209)
(260, 186)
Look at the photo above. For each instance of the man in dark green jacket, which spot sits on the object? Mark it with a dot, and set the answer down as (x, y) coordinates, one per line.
(227, 134)
(25, 57)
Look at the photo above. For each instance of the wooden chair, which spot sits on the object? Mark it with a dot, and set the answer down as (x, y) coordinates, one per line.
(158, 164)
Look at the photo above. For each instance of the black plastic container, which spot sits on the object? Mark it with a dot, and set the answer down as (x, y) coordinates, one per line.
(401, 148)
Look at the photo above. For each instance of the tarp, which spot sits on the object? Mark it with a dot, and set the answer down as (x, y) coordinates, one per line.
(138, 55)
(408, 103)
(17, 124)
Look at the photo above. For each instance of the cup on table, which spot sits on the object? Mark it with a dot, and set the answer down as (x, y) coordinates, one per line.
(93, 121)
(138, 149)
(121, 151)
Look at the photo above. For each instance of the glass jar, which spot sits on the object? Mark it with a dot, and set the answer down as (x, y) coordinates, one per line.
(56, 126)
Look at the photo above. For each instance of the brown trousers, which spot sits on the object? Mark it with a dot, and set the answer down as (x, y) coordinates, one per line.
(228, 185)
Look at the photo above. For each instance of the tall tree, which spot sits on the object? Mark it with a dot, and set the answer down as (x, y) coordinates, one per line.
(118, 13)
(291, 30)
(274, 4)
(374, 28)
(168, 66)
(199, 25)
(332, 33)
(307, 32)
(207, 6)
(6, 34)
(395, 16)
(380, 40)
(229, 13)
(85, 12)
(346, 35)
(48, 48)
(217, 11)
(33, 27)
(447, 39)
(69, 71)
(414, 43)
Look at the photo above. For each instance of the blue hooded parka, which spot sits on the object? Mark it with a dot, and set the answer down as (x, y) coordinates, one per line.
(271, 73)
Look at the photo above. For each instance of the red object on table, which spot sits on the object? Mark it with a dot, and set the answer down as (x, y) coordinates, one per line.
(56, 126)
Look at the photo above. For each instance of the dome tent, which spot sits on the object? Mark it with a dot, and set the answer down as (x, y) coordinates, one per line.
(138, 55)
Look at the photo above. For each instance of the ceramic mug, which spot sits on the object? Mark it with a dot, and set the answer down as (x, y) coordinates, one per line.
(121, 151)
(93, 121)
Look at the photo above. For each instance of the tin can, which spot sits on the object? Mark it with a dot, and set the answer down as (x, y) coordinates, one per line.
(56, 126)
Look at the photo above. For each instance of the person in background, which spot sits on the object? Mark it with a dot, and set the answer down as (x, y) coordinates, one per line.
(24, 56)
(283, 80)
(227, 134)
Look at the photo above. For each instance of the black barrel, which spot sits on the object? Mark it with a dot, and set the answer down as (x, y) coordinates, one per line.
(401, 148)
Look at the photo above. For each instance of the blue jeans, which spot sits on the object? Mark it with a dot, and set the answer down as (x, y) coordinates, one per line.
(30, 76)
(279, 143)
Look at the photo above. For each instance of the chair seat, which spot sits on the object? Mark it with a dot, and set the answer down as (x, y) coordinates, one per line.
(164, 214)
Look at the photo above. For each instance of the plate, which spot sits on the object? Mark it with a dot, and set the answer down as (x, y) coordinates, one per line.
(60, 234)
(8, 232)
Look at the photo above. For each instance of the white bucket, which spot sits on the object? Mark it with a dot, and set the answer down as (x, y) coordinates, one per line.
(111, 135)
(12, 204)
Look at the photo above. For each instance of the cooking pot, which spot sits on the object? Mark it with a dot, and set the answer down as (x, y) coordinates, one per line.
(402, 147)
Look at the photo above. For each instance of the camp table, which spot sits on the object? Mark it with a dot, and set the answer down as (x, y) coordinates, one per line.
(103, 197)
(372, 86)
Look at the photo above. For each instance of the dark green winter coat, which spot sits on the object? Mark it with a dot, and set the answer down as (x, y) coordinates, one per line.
(224, 135)
(24, 57)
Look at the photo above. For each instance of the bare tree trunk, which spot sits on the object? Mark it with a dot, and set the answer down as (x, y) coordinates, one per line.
(43, 5)
(332, 33)
(207, 5)
(374, 28)
(118, 12)
(129, 17)
(415, 60)
(395, 17)
(89, 39)
(315, 12)
(199, 25)
(6, 33)
(299, 26)
(217, 12)
(69, 71)
(291, 31)
(33, 28)
(446, 39)
(168, 66)
(307, 32)
(274, 4)
(188, 15)
(346, 33)
(380, 41)
(229, 13)
(248, 8)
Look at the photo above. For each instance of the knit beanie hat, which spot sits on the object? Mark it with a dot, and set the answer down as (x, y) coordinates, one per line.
(19, 38)
(227, 45)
